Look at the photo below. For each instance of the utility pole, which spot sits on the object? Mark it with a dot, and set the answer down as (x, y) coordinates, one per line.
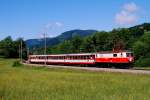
(45, 47)
(28, 52)
(21, 51)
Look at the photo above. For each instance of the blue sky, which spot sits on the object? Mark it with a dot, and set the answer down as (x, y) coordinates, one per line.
(31, 18)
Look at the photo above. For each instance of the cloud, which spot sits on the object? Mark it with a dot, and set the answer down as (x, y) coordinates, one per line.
(53, 25)
(125, 18)
(128, 14)
(59, 24)
(51, 29)
(130, 7)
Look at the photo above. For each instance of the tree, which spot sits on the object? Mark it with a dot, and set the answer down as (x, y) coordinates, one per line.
(64, 47)
(142, 46)
(102, 38)
(142, 50)
(76, 44)
(10, 48)
(6, 46)
(17, 45)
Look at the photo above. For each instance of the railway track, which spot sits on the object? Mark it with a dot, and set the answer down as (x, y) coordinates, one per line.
(133, 71)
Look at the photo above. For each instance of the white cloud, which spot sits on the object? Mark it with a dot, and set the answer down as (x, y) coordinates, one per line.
(130, 7)
(59, 24)
(51, 29)
(128, 14)
(125, 18)
(53, 25)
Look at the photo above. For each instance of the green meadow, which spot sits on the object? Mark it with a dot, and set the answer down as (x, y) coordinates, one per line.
(30, 83)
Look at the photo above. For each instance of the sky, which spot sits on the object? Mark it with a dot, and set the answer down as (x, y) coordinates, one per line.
(32, 18)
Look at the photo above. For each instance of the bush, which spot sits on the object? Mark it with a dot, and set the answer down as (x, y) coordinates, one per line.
(142, 62)
(16, 64)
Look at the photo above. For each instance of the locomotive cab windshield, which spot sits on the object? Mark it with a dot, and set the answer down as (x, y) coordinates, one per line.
(129, 54)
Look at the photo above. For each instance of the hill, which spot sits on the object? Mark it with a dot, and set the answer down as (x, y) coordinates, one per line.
(68, 35)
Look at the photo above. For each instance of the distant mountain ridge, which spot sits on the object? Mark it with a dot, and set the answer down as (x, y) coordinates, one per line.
(68, 35)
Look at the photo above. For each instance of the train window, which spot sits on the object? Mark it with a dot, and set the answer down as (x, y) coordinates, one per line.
(79, 57)
(129, 54)
(88, 57)
(82, 57)
(93, 56)
(114, 55)
(121, 54)
(74, 57)
(69, 57)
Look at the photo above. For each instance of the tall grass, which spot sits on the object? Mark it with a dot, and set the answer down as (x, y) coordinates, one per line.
(25, 83)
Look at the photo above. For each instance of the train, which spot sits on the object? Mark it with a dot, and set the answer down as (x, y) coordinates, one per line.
(121, 59)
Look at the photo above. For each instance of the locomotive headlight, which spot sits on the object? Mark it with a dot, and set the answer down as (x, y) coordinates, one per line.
(130, 59)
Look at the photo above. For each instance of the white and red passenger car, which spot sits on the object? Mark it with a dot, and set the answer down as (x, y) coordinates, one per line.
(121, 57)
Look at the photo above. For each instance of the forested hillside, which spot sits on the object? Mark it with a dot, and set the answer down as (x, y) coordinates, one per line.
(68, 35)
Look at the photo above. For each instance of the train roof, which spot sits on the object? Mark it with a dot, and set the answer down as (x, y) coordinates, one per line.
(77, 54)
(103, 52)
(74, 54)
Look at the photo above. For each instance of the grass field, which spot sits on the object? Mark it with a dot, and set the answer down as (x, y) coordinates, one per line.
(26, 83)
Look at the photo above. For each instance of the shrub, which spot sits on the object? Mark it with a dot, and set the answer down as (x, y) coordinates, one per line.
(16, 64)
(142, 62)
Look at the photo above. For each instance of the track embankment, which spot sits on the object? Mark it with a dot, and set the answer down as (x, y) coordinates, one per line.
(134, 71)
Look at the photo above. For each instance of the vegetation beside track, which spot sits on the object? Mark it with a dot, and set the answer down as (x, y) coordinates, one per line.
(29, 83)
